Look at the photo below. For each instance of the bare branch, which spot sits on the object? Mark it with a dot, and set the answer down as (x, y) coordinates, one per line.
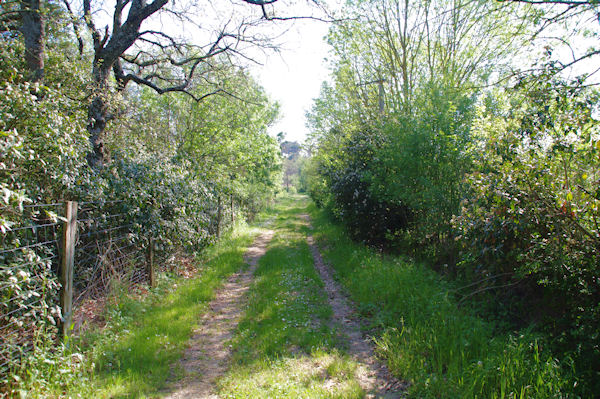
(564, 2)
(87, 15)
(75, 23)
(260, 2)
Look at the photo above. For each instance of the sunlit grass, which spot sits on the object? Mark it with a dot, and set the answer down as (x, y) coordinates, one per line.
(284, 346)
(318, 375)
(135, 356)
(443, 351)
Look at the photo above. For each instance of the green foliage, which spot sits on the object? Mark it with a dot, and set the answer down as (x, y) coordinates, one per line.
(181, 172)
(424, 162)
(163, 200)
(534, 210)
(498, 187)
(222, 141)
(42, 159)
(43, 147)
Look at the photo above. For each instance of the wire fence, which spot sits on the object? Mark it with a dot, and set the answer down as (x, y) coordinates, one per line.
(28, 264)
(58, 258)
(108, 250)
(37, 289)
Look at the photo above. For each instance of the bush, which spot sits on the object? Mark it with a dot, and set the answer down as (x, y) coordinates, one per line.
(534, 212)
(443, 350)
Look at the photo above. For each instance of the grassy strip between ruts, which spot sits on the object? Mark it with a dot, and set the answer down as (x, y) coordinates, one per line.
(282, 347)
(444, 351)
(133, 356)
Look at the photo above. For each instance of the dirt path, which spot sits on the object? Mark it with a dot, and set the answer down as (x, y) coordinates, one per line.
(207, 357)
(373, 376)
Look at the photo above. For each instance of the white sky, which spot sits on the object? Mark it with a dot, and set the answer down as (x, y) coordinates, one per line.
(293, 78)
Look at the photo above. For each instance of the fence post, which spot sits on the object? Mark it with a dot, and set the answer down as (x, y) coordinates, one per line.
(219, 216)
(150, 262)
(232, 212)
(66, 266)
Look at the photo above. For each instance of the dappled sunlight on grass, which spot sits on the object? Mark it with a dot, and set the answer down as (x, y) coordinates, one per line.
(318, 375)
(139, 351)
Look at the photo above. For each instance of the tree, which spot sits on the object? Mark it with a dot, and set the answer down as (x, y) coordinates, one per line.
(290, 149)
(155, 54)
(28, 18)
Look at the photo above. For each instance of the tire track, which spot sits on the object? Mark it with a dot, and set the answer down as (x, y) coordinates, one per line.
(207, 357)
(373, 376)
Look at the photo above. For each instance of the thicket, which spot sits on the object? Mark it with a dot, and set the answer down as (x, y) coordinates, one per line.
(173, 165)
(495, 184)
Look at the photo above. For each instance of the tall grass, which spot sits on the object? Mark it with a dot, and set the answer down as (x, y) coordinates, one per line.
(444, 351)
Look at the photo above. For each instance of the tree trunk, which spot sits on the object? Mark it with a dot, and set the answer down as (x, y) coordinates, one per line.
(232, 211)
(33, 30)
(219, 216)
(97, 119)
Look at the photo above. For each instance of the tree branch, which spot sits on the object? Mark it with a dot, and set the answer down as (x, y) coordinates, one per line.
(75, 24)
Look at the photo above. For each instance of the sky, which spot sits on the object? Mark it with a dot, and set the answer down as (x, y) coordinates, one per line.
(293, 77)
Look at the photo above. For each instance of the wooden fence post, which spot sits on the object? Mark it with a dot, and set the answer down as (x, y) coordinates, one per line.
(232, 212)
(219, 216)
(66, 267)
(150, 263)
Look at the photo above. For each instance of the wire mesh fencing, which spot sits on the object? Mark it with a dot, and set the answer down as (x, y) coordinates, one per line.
(29, 287)
(109, 249)
(57, 256)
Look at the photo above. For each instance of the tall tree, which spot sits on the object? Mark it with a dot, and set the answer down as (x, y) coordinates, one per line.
(28, 18)
(156, 53)
(33, 30)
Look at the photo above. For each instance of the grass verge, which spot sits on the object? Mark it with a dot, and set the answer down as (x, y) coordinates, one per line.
(442, 350)
(133, 356)
(281, 347)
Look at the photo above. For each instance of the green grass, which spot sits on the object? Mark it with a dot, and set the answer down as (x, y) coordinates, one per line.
(284, 346)
(134, 356)
(443, 351)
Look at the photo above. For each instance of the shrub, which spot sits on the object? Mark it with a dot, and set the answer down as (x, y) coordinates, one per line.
(535, 208)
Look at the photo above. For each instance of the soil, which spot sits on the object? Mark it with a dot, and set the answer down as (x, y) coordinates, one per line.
(207, 356)
(373, 376)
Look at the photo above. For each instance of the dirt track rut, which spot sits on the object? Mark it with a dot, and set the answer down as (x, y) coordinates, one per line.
(207, 356)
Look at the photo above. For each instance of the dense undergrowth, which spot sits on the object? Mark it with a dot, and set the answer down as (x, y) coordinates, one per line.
(443, 349)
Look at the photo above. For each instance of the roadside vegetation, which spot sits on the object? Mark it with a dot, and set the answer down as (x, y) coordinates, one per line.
(170, 171)
(456, 142)
(136, 351)
(442, 349)
(461, 135)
